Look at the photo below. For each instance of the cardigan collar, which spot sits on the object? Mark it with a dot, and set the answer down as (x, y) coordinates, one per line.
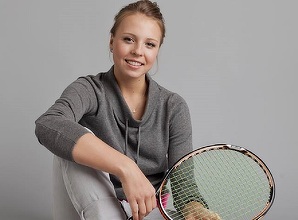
(119, 106)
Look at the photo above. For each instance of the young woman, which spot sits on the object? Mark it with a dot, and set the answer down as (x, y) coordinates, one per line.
(115, 134)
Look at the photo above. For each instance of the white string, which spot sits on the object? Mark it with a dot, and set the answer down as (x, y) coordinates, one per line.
(232, 184)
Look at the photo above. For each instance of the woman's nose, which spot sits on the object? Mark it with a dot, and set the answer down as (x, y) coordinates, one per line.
(137, 50)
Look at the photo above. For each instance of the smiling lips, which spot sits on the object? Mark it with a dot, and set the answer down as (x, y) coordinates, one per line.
(134, 63)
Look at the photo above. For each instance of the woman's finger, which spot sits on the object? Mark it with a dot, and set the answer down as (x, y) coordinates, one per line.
(134, 211)
(142, 210)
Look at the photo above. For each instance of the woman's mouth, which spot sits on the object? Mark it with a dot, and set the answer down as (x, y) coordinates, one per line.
(134, 63)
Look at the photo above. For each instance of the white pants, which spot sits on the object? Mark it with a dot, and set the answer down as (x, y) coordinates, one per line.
(82, 193)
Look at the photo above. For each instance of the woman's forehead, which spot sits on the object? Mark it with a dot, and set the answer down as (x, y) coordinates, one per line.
(140, 25)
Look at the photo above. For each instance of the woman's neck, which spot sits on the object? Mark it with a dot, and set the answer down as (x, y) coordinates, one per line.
(134, 92)
(132, 86)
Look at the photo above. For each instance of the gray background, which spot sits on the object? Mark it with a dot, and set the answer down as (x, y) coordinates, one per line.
(233, 61)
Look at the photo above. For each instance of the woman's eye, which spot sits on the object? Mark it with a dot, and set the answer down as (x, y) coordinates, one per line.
(151, 45)
(128, 39)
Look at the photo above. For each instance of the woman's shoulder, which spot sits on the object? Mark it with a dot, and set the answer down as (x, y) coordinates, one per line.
(93, 80)
(170, 94)
(172, 98)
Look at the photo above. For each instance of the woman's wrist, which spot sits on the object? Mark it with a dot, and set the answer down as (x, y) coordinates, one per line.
(124, 167)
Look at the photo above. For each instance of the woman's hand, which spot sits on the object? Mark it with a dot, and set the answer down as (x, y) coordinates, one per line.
(196, 211)
(139, 192)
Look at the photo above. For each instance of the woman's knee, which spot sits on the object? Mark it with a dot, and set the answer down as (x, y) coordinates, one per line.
(90, 191)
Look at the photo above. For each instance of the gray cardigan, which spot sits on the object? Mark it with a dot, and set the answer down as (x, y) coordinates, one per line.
(155, 142)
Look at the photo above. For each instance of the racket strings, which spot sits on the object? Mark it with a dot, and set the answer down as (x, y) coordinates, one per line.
(244, 184)
(232, 184)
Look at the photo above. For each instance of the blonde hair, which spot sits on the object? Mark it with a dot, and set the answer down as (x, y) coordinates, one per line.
(145, 7)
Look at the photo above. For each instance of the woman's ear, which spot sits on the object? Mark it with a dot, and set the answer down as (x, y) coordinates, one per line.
(111, 43)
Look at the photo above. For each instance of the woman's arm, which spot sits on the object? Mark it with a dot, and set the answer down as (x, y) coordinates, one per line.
(59, 130)
(93, 152)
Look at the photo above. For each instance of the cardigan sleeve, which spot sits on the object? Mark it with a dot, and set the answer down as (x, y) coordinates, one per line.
(58, 128)
(180, 129)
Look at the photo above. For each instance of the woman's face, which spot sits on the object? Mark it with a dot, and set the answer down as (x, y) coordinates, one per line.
(135, 46)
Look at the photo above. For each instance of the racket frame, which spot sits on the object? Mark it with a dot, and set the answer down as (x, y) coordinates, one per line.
(201, 150)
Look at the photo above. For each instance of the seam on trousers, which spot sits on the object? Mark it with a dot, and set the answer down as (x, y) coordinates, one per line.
(117, 214)
(70, 194)
(82, 215)
(84, 209)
